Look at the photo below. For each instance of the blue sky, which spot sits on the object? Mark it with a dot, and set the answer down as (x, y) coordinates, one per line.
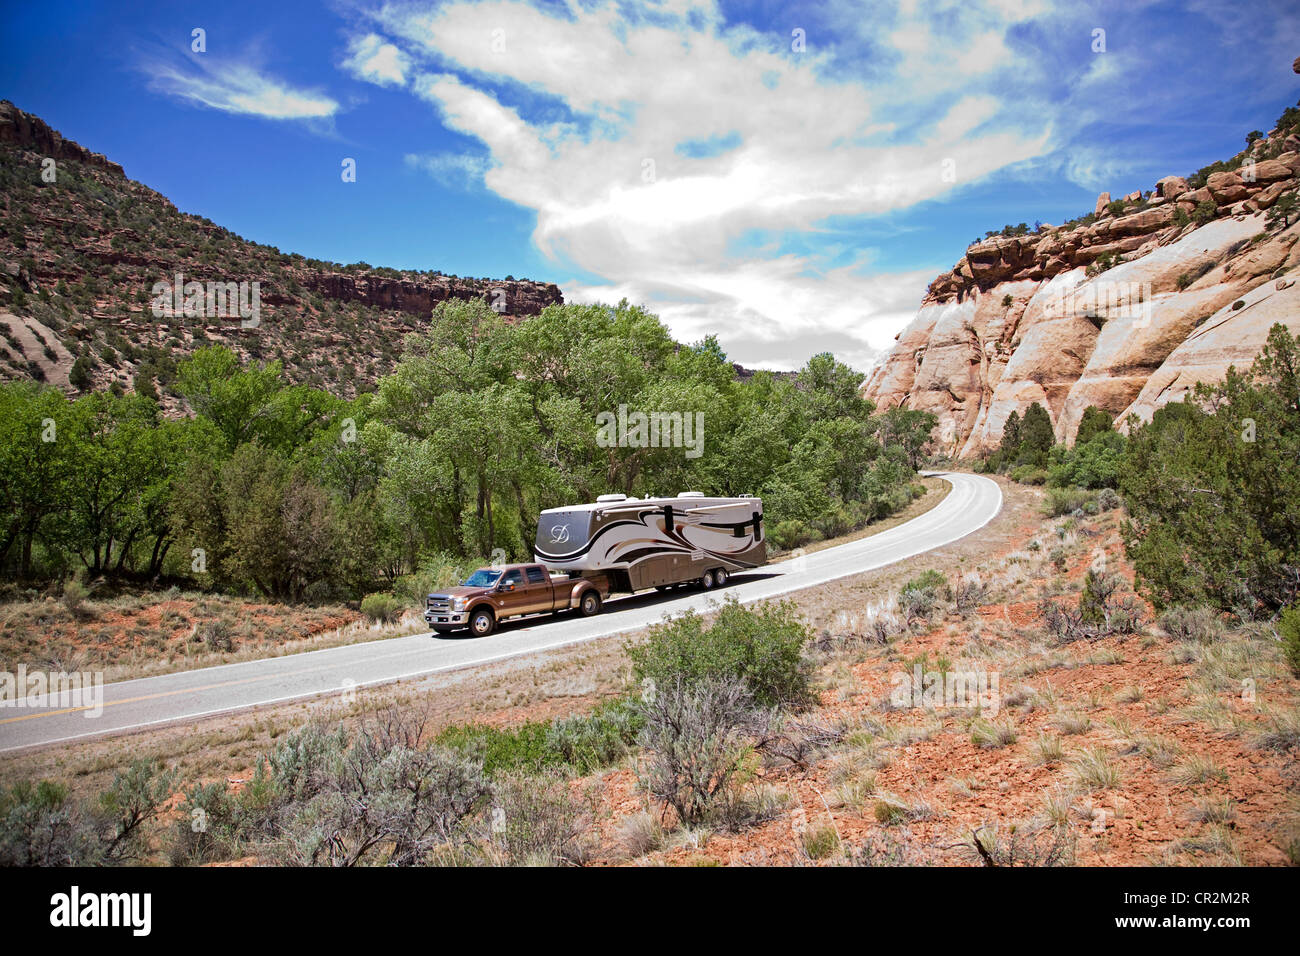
(787, 177)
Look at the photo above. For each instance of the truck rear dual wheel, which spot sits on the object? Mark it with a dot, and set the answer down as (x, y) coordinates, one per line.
(589, 604)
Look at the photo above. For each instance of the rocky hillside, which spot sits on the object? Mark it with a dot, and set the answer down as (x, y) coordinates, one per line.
(82, 246)
(1125, 308)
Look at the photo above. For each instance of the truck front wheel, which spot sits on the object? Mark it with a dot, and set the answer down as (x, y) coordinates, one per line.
(589, 604)
(482, 622)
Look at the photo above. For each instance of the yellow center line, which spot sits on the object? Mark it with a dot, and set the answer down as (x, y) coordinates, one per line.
(134, 700)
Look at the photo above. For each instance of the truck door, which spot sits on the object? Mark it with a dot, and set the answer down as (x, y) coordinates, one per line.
(538, 587)
(513, 600)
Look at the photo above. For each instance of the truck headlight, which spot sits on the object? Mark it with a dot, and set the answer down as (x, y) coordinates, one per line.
(458, 604)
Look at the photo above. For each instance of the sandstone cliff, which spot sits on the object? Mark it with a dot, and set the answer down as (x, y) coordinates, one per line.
(1125, 309)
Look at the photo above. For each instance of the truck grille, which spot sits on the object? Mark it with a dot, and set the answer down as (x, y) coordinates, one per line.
(439, 603)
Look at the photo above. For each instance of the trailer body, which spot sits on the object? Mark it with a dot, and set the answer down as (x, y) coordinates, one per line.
(630, 544)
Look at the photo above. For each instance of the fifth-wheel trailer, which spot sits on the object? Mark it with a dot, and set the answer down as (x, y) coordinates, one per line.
(626, 544)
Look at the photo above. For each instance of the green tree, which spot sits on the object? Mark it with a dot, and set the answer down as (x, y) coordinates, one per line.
(1095, 421)
(1036, 437)
(1097, 463)
(114, 457)
(908, 428)
(1009, 446)
(35, 451)
(251, 404)
(1213, 492)
(280, 527)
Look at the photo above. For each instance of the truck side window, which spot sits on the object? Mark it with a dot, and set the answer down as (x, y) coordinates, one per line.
(535, 576)
(513, 577)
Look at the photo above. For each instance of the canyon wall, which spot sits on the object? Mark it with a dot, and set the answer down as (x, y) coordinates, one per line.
(1125, 309)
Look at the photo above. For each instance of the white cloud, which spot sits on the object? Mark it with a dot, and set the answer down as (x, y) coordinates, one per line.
(583, 113)
(238, 88)
(374, 60)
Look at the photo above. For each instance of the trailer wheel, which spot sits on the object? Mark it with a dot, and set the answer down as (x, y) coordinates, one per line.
(720, 577)
(590, 603)
(482, 622)
(707, 580)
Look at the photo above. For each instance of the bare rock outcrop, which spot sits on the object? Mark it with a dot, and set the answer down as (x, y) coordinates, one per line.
(1231, 336)
(30, 132)
(1122, 311)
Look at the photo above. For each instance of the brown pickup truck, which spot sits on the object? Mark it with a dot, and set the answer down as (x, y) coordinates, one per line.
(493, 594)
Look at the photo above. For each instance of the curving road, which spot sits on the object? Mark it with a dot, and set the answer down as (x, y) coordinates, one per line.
(190, 695)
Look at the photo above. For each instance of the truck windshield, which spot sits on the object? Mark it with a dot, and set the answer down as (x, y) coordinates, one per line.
(482, 578)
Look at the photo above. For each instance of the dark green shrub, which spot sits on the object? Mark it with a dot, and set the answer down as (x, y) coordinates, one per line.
(587, 742)
(1204, 212)
(522, 748)
(761, 646)
(1029, 475)
(79, 375)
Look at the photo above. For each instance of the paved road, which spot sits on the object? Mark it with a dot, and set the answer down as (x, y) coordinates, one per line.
(189, 695)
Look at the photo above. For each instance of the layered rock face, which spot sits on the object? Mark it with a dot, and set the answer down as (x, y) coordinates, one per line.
(81, 252)
(30, 132)
(1126, 310)
(419, 296)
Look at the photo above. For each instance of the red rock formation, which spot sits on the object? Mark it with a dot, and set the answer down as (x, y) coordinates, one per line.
(1122, 312)
(30, 132)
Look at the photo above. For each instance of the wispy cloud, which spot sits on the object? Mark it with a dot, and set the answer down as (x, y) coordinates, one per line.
(239, 88)
(453, 170)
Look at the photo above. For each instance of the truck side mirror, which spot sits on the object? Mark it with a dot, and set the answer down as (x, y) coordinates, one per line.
(508, 586)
